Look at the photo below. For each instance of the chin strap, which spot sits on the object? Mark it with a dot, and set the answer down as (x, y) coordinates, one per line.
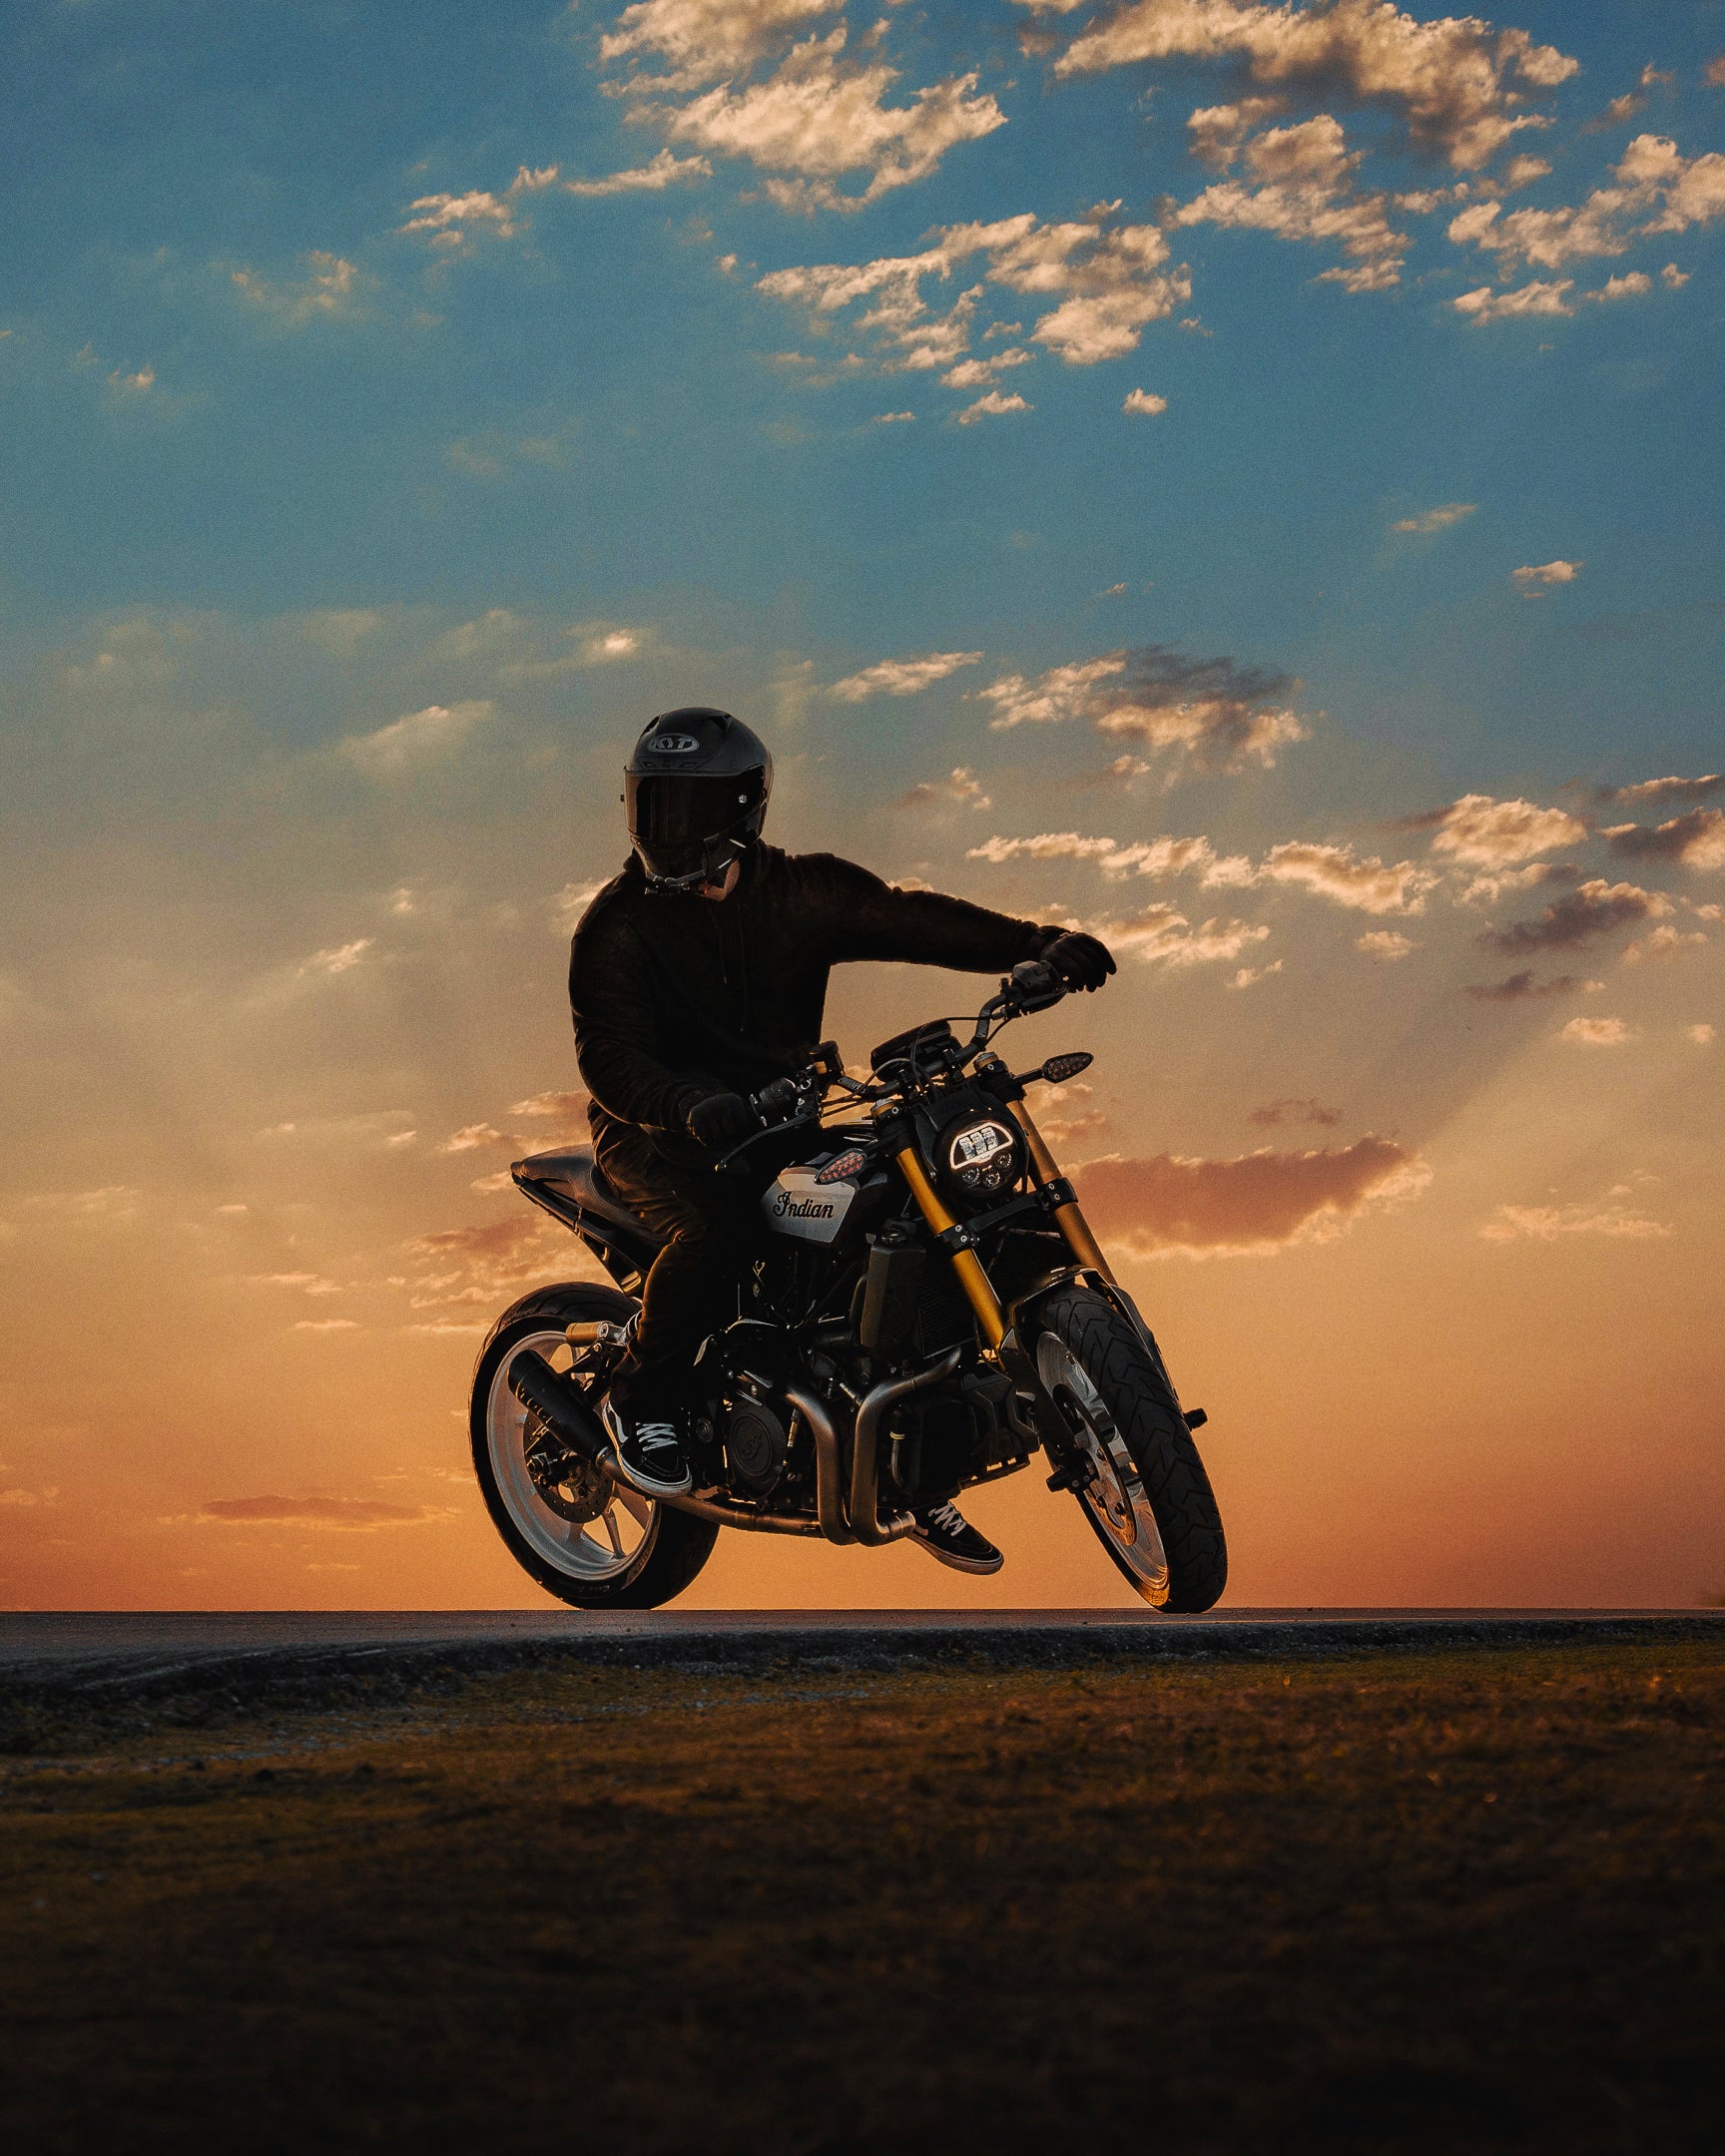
(716, 854)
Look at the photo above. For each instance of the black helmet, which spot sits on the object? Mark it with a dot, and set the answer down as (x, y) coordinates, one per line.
(696, 789)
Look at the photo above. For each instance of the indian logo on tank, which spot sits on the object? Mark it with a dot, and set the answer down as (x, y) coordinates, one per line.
(795, 1205)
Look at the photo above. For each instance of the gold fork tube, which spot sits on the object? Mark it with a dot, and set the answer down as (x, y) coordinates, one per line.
(965, 1263)
(1073, 1226)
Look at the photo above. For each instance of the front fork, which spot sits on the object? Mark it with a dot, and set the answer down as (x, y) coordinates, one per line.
(975, 1281)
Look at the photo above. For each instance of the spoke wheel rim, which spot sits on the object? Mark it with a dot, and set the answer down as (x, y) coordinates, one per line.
(1115, 1497)
(604, 1550)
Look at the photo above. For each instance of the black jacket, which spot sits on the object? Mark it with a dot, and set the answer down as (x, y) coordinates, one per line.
(676, 997)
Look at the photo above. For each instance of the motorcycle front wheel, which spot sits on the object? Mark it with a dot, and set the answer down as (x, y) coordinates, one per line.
(578, 1534)
(1147, 1496)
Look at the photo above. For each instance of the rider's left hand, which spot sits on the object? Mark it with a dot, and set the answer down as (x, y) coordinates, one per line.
(1082, 962)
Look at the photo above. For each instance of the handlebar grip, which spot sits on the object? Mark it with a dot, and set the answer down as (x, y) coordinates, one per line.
(777, 1098)
(1034, 985)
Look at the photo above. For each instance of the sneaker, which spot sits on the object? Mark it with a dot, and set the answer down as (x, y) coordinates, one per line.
(648, 1450)
(944, 1532)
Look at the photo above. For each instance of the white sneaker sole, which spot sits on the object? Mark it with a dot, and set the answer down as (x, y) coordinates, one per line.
(978, 1567)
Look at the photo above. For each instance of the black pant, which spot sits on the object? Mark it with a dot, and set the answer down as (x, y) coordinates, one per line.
(712, 1226)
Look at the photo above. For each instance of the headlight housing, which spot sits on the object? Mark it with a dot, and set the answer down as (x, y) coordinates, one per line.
(979, 1159)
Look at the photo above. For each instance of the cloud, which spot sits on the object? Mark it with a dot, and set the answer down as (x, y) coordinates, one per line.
(1486, 306)
(818, 118)
(659, 171)
(341, 959)
(1693, 840)
(563, 1107)
(973, 374)
(362, 1514)
(1257, 1202)
(963, 790)
(1110, 278)
(1551, 1224)
(1713, 74)
(1435, 520)
(895, 418)
(1291, 1109)
(1654, 188)
(1489, 833)
(1488, 887)
(1216, 714)
(1306, 191)
(1664, 790)
(1634, 286)
(331, 288)
(1385, 944)
(1663, 943)
(1338, 874)
(1161, 936)
(1522, 987)
(452, 221)
(477, 1264)
(1457, 86)
(1534, 582)
(1701, 1035)
(1145, 401)
(471, 1136)
(1595, 908)
(702, 41)
(422, 737)
(604, 645)
(901, 677)
(1596, 1032)
(993, 406)
(1116, 857)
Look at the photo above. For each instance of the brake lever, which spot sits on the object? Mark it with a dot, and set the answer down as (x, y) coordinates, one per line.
(768, 1130)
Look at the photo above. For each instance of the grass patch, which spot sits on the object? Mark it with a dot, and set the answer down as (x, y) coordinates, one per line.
(1377, 1904)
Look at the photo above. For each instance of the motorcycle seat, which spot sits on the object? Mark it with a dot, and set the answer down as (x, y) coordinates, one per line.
(577, 1177)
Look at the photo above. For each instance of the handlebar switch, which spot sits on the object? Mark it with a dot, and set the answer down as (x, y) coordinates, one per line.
(777, 1098)
(1034, 985)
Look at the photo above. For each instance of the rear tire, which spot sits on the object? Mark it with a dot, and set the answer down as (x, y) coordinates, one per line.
(1149, 1501)
(649, 1552)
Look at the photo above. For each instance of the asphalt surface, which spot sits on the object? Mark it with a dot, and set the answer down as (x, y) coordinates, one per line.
(249, 1654)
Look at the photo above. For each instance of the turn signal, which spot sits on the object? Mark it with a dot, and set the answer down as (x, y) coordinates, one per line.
(843, 1168)
(1058, 1069)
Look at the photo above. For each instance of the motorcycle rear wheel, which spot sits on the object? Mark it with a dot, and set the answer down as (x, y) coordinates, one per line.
(1148, 1499)
(618, 1550)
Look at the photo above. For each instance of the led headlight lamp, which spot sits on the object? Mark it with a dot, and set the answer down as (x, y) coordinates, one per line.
(979, 1158)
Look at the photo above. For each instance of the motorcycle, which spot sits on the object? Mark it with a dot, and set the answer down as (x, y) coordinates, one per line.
(928, 1309)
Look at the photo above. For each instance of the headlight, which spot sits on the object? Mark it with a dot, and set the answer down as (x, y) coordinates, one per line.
(980, 1159)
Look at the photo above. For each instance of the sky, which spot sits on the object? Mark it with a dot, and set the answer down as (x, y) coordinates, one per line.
(1245, 479)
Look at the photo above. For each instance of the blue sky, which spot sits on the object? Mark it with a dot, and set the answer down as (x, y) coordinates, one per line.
(401, 405)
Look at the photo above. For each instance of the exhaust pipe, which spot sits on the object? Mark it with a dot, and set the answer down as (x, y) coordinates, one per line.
(865, 1522)
(557, 1403)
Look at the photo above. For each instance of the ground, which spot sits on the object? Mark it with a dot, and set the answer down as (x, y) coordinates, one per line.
(1371, 1902)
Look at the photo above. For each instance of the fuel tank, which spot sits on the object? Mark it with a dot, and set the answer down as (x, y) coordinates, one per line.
(794, 1204)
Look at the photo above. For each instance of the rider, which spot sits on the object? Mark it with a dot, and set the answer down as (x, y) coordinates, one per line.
(697, 977)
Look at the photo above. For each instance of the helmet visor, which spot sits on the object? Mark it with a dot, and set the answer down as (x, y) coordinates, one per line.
(672, 815)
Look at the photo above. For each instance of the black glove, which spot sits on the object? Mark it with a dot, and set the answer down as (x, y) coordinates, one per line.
(1080, 960)
(721, 1121)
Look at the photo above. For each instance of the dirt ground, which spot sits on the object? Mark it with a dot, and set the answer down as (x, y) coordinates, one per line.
(1409, 1903)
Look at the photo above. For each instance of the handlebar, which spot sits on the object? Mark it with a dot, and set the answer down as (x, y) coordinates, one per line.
(785, 1103)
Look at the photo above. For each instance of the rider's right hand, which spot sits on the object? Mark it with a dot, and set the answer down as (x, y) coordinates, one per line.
(1082, 962)
(721, 1121)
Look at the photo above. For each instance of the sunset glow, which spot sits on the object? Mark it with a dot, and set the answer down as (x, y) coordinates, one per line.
(1244, 480)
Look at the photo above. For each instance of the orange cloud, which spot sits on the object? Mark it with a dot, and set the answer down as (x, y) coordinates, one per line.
(1258, 1202)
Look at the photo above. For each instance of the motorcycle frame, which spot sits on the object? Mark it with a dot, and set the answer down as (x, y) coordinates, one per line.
(846, 1474)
